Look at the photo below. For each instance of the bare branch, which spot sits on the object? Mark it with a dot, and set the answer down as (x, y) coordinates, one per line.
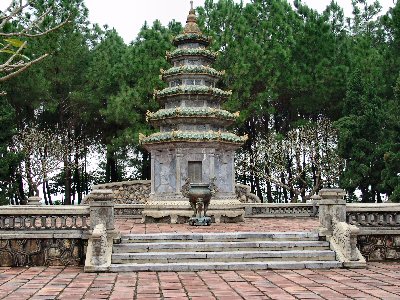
(23, 68)
(23, 34)
(30, 29)
(13, 14)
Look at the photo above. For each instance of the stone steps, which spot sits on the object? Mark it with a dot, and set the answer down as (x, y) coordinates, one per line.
(235, 236)
(203, 266)
(220, 246)
(221, 251)
(231, 256)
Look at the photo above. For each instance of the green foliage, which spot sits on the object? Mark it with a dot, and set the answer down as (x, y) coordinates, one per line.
(8, 158)
(288, 66)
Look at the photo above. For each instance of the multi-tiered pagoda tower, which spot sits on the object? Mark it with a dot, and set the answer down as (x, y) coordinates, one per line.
(193, 141)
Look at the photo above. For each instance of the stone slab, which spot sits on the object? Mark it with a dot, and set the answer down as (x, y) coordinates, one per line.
(220, 236)
(183, 267)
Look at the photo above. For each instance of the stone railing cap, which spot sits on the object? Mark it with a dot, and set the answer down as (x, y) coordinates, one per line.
(101, 195)
(332, 193)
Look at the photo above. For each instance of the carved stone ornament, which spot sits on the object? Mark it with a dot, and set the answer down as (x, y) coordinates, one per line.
(186, 188)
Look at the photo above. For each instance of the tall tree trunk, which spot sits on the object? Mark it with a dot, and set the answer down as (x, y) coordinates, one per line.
(31, 185)
(290, 174)
(86, 176)
(21, 193)
(67, 170)
(303, 182)
(44, 193)
(48, 193)
(111, 167)
(270, 199)
(67, 196)
(378, 197)
(284, 191)
(78, 183)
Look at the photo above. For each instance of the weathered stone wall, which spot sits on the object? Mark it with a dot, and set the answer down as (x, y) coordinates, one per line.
(127, 192)
(138, 191)
(42, 252)
(379, 247)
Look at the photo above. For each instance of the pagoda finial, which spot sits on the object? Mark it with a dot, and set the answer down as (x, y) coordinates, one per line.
(191, 22)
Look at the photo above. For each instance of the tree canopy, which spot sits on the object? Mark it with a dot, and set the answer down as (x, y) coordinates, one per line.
(318, 93)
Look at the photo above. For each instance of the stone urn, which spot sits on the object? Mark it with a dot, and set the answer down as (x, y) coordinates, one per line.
(199, 195)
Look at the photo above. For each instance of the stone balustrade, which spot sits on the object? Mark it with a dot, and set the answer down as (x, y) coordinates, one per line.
(253, 210)
(43, 235)
(372, 215)
(379, 224)
(342, 236)
(59, 235)
(34, 218)
(272, 210)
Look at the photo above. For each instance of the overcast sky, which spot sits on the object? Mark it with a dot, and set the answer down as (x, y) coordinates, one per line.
(128, 16)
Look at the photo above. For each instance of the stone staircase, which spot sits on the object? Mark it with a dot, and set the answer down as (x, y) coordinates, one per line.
(222, 251)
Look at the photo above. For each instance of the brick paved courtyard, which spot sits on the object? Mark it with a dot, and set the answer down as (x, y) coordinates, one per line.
(378, 281)
(249, 225)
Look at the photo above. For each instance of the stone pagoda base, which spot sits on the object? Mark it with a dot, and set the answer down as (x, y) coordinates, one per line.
(178, 211)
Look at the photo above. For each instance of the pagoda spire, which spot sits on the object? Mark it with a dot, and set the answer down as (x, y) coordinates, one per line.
(191, 22)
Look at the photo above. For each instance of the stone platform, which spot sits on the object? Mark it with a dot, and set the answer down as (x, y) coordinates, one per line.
(126, 226)
(179, 211)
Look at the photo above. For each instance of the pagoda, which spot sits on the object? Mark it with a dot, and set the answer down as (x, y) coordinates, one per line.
(193, 141)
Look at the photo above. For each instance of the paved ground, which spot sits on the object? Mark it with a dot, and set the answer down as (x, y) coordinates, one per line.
(378, 281)
(253, 225)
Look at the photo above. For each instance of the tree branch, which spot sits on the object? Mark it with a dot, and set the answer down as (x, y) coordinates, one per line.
(25, 66)
(33, 35)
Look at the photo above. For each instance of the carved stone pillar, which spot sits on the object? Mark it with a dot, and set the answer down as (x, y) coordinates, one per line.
(332, 208)
(153, 156)
(178, 171)
(102, 209)
(212, 164)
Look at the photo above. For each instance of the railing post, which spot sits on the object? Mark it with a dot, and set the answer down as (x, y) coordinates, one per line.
(332, 208)
(342, 236)
(99, 250)
(102, 209)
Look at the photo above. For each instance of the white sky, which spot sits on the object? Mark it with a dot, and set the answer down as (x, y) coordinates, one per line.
(128, 16)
